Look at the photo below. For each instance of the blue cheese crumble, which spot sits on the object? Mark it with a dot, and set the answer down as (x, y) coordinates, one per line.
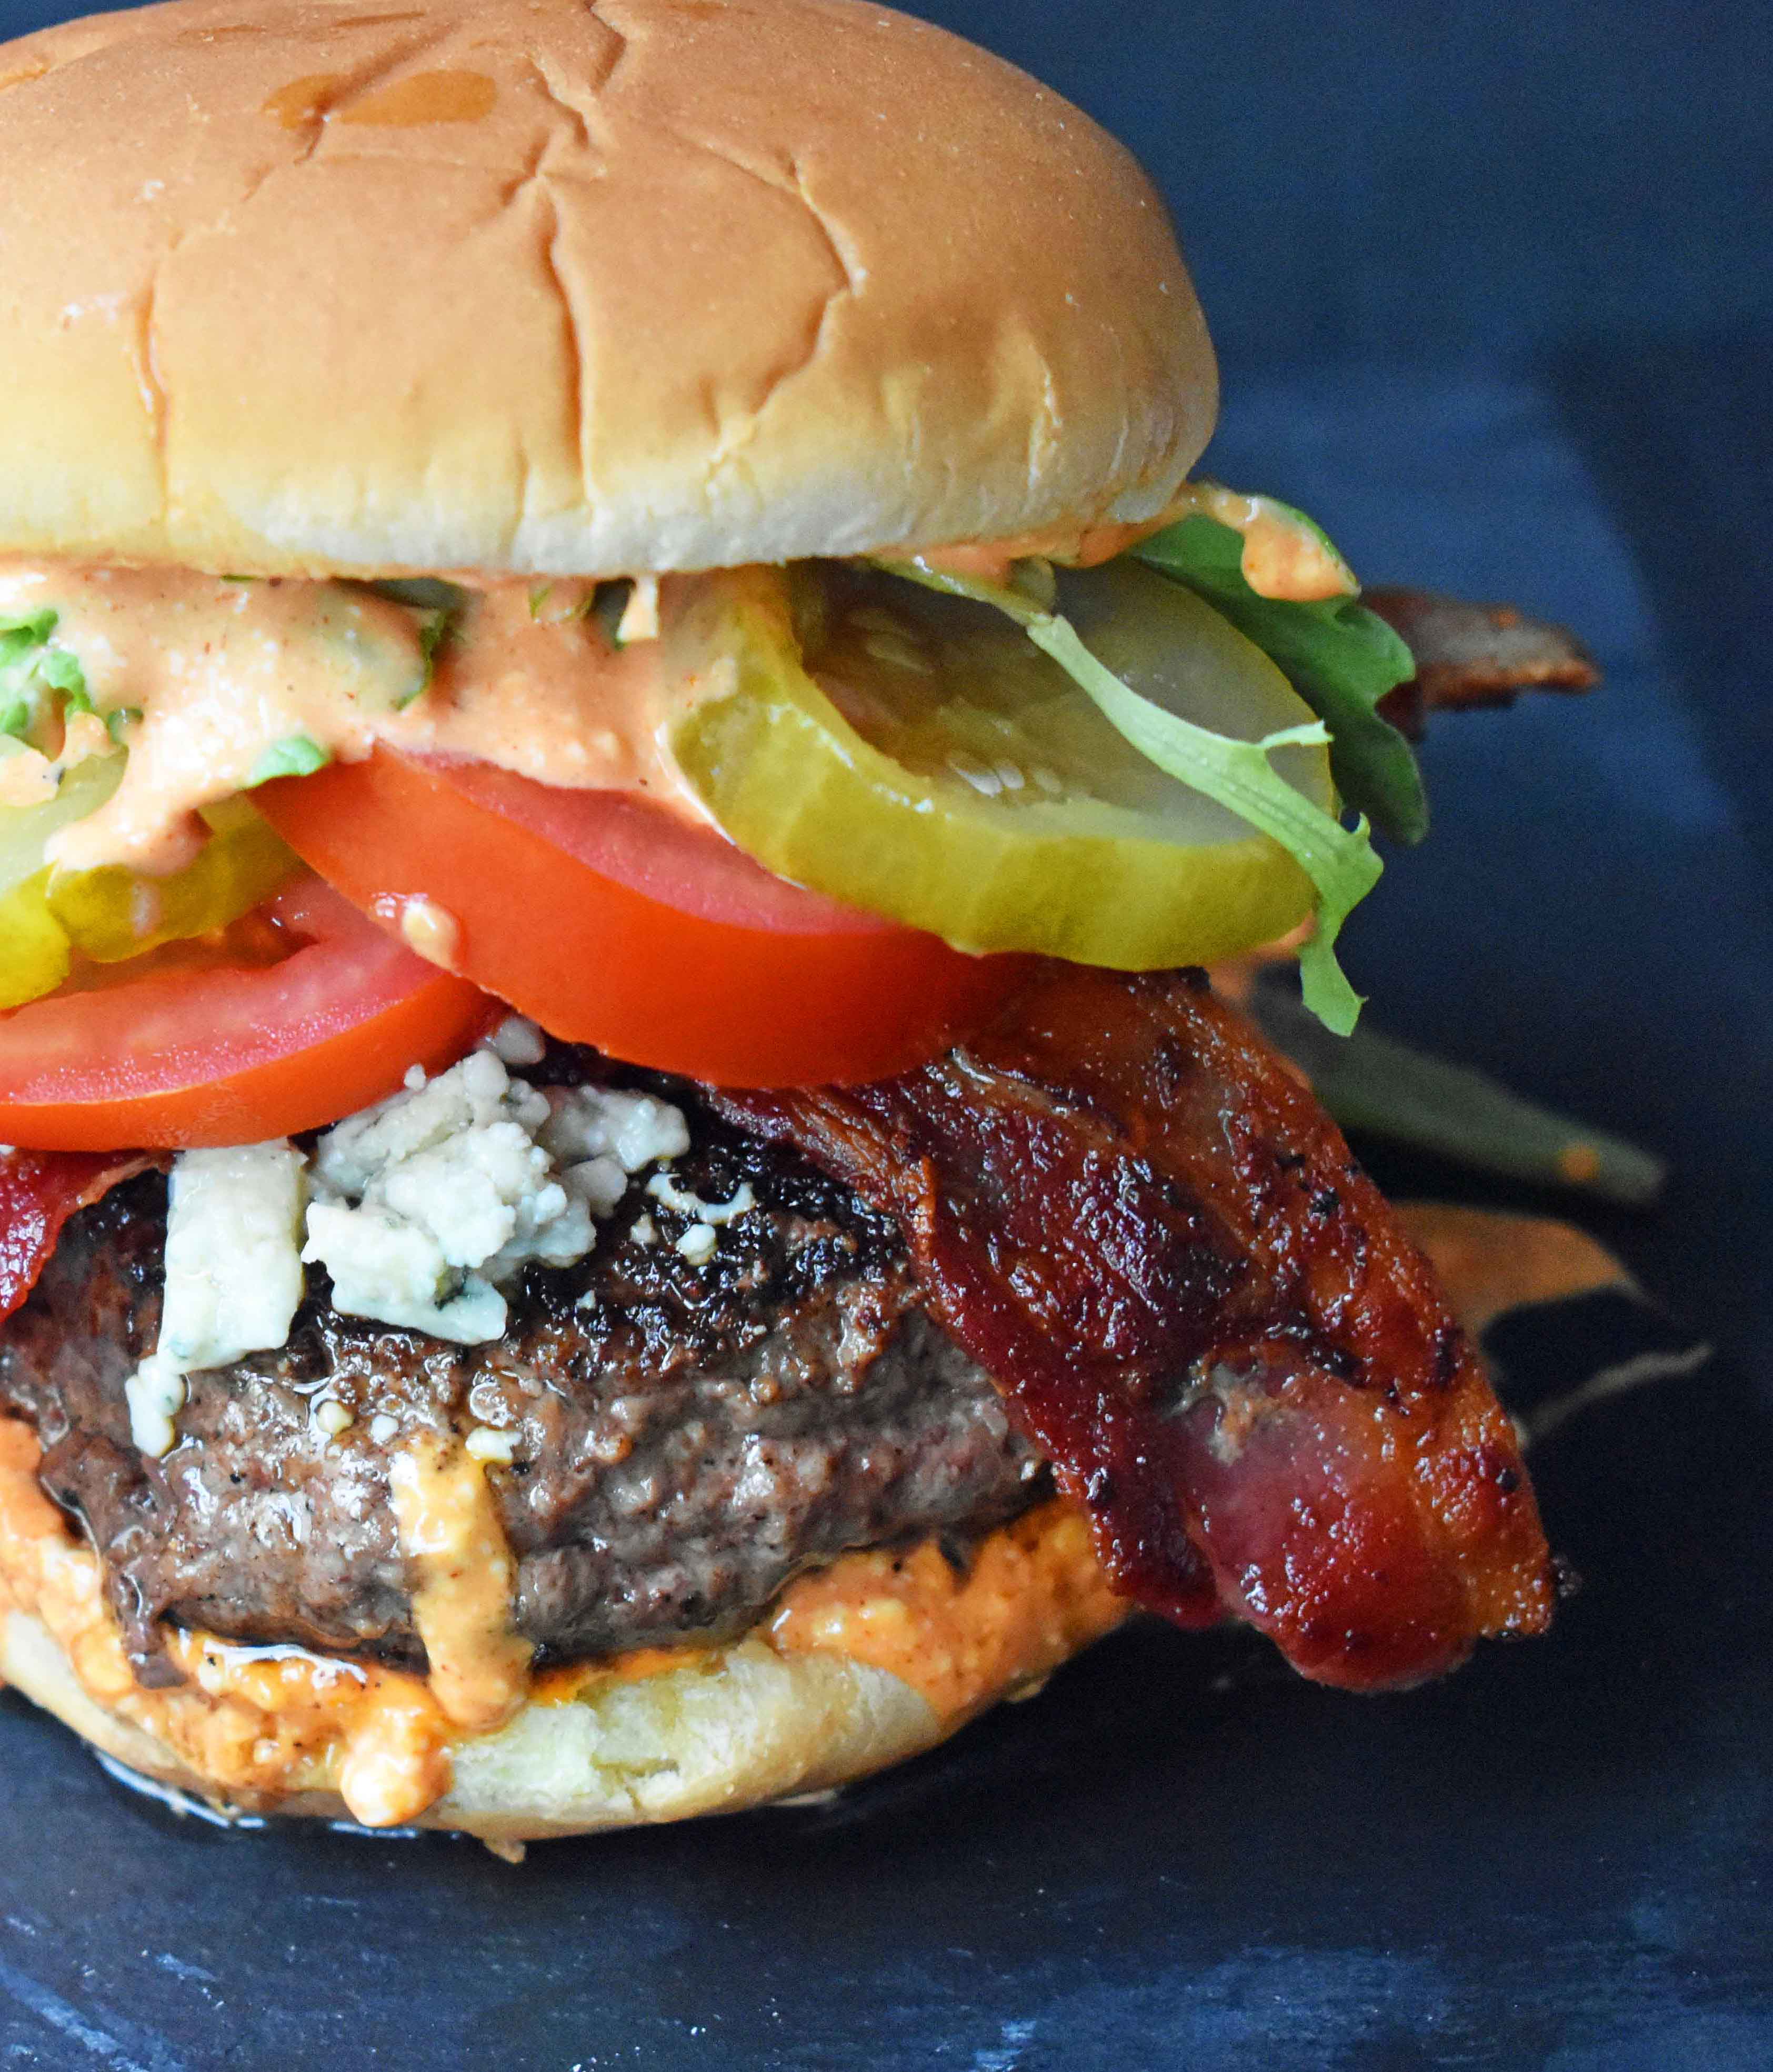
(421, 1209)
(428, 1203)
(425, 1203)
(233, 1270)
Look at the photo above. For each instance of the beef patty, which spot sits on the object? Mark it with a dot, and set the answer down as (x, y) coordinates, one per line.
(685, 1438)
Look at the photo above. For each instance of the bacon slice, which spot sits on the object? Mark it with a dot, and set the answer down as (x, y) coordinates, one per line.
(1470, 655)
(39, 1191)
(1129, 1211)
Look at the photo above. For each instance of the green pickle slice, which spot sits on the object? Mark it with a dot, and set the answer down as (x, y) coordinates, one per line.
(36, 955)
(49, 919)
(916, 755)
(112, 914)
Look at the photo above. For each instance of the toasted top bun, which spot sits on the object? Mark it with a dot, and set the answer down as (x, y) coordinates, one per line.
(529, 286)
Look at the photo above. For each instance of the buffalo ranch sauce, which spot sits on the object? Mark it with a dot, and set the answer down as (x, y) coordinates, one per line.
(463, 1578)
(222, 672)
(1284, 555)
(262, 1724)
(1033, 1594)
(257, 1723)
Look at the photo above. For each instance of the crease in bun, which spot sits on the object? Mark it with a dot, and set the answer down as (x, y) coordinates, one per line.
(539, 287)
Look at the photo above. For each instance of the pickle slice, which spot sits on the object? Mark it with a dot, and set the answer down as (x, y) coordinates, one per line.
(924, 760)
(48, 918)
(25, 830)
(36, 955)
(112, 914)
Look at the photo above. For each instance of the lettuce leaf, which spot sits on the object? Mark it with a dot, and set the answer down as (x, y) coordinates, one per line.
(1339, 860)
(35, 675)
(1341, 657)
(295, 755)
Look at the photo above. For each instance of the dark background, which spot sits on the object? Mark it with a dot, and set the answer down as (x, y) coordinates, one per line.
(1479, 181)
(1492, 294)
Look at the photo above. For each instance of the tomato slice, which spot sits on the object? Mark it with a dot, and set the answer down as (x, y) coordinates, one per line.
(612, 923)
(236, 1049)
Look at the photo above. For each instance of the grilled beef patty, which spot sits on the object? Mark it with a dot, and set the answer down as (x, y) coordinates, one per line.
(685, 1438)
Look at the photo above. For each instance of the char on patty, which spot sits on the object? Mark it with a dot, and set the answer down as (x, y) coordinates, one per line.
(684, 1437)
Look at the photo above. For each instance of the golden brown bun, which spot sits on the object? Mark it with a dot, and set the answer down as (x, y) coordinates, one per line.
(515, 285)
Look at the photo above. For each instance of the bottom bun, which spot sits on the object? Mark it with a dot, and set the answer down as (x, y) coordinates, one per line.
(742, 1727)
(863, 1664)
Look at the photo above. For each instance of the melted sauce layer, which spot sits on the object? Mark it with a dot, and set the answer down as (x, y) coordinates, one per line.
(257, 1724)
(261, 1723)
(1034, 1594)
(231, 677)
(1284, 555)
(225, 673)
(463, 1581)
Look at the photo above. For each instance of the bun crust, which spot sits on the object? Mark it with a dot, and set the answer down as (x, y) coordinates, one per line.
(541, 286)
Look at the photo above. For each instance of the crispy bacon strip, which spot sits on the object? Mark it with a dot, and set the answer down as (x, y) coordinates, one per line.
(1131, 1214)
(1470, 655)
(39, 1191)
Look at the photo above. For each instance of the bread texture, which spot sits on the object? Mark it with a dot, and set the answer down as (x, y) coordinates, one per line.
(541, 286)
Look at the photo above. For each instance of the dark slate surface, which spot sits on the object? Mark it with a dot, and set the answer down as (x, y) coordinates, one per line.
(1523, 248)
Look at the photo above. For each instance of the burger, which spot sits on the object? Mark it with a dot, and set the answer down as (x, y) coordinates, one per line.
(623, 737)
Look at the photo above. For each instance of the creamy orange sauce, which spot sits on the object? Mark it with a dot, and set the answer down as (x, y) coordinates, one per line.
(232, 677)
(222, 673)
(258, 1724)
(1284, 556)
(1075, 546)
(571, 1681)
(393, 1764)
(463, 1579)
(428, 930)
(1034, 1594)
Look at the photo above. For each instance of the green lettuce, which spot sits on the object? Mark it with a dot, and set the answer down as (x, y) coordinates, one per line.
(437, 607)
(1341, 657)
(36, 677)
(295, 755)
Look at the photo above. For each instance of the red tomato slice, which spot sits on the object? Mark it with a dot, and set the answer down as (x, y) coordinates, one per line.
(237, 1051)
(612, 923)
